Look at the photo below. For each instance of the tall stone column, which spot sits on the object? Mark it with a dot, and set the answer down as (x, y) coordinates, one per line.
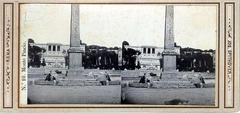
(76, 49)
(169, 54)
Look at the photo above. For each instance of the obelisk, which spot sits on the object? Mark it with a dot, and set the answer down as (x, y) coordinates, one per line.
(169, 54)
(76, 49)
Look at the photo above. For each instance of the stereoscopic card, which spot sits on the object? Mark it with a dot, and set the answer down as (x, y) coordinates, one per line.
(119, 56)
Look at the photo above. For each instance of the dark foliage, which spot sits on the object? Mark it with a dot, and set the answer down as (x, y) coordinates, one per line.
(100, 57)
(194, 59)
(34, 54)
(129, 57)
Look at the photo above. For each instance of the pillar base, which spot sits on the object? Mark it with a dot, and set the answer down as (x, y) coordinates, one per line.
(76, 73)
(75, 57)
(169, 63)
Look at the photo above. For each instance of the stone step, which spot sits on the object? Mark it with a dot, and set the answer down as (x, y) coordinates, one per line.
(164, 84)
(80, 82)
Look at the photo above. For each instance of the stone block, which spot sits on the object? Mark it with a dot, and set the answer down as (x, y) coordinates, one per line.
(138, 85)
(114, 82)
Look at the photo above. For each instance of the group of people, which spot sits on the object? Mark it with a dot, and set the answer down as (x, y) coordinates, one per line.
(146, 79)
(51, 76)
(197, 80)
(103, 78)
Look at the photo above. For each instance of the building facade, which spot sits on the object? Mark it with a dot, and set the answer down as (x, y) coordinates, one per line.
(151, 56)
(55, 55)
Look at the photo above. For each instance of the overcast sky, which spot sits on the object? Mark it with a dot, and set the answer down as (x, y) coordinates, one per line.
(109, 25)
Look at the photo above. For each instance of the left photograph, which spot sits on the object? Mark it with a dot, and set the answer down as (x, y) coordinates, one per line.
(61, 68)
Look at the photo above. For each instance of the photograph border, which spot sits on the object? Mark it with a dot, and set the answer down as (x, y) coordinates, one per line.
(11, 52)
(217, 77)
(225, 53)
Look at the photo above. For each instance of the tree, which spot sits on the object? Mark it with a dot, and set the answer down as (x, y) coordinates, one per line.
(124, 54)
(34, 54)
(195, 59)
(129, 56)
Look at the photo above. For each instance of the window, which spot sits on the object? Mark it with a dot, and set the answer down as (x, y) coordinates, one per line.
(54, 48)
(58, 48)
(149, 50)
(49, 48)
(144, 50)
(153, 50)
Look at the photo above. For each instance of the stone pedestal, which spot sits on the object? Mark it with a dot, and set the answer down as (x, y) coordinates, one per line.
(75, 57)
(173, 76)
(76, 73)
(169, 61)
(75, 62)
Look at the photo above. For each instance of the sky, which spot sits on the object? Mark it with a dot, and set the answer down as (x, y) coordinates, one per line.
(109, 25)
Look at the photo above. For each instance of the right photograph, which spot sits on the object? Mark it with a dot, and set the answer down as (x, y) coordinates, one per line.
(179, 67)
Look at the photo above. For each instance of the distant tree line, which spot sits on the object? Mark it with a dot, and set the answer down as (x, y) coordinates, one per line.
(100, 57)
(107, 58)
(197, 60)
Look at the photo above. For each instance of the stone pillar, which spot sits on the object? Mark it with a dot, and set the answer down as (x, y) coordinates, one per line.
(169, 54)
(76, 49)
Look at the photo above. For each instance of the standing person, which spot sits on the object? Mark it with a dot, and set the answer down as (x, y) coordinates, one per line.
(160, 77)
(202, 81)
(148, 83)
(66, 74)
(102, 78)
(143, 78)
(54, 77)
(197, 81)
(149, 80)
(48, 77)
(185, 77)
(91, 75)
(107, 77)
(54, 80)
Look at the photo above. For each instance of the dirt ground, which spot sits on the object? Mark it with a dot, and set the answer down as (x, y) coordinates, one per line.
(48, 94)
(45, 94)
(113, 94)
(194, 96)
